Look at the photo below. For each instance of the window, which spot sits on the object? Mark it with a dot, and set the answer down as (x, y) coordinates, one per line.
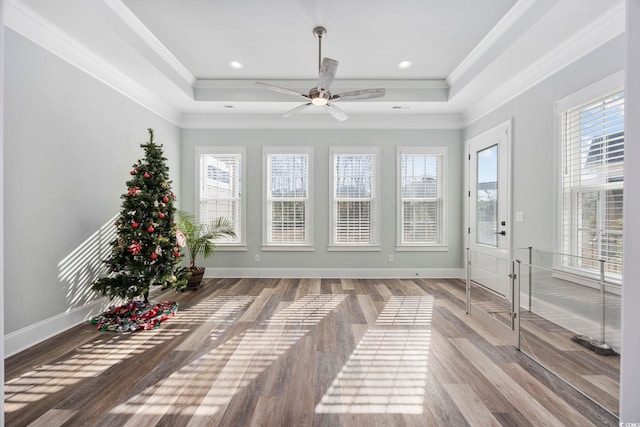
(592, 184)
(220, 192)
(354, 211)
(288, 199)
(421, 198)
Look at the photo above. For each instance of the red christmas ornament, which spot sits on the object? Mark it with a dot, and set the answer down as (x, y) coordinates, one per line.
(146, 175)
(176, 254)
(135, 224)
(133, 172)
(161, 215)
(150, 229)
(165, 199)
(154, 256)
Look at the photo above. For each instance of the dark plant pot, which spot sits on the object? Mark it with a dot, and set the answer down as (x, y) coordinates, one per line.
(195, 280)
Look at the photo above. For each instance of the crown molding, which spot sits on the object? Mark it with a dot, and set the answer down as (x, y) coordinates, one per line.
(246, 90)
(322, 121)
(132, 21)
(601, 31)
(23, 20)
(507, 21)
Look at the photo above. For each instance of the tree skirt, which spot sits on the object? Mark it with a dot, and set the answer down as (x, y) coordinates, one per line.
(135, 315)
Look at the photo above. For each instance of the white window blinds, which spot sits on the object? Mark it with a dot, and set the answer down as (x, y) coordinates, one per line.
(287, 199)
(422, 195)
(354, 198)
(593, 173)
(221, 190)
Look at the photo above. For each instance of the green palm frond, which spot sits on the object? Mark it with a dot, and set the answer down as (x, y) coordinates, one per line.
(201, 237)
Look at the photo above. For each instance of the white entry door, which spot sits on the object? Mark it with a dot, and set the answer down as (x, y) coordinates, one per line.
(489, 220)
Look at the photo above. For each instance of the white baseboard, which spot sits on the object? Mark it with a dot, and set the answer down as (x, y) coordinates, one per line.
(24, 338)
(337, 273)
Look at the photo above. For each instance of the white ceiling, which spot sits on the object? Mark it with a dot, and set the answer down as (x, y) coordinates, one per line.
(468, 56)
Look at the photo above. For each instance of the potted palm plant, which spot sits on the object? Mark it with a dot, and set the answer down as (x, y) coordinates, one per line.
(200, 240)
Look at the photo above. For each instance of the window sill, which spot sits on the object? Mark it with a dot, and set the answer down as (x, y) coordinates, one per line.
(431, 248)
(353, 248)
(231, 248)
(585, 278)
(289, 248)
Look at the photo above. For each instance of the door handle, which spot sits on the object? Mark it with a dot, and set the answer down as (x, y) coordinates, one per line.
(502, 233)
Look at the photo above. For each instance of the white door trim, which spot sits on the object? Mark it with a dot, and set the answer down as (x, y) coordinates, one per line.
(507, 127)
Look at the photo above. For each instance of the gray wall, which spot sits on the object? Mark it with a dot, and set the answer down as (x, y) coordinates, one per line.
(321, 140)
(535, 138)
(69, 145)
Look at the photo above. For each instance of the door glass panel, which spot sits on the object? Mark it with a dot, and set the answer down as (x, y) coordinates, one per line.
(487, 197)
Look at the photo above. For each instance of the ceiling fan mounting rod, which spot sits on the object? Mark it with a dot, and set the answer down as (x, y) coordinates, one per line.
(319, 32)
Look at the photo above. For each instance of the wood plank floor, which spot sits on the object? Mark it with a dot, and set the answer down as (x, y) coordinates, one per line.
(551, 345)
(596, 376)
(295, 352)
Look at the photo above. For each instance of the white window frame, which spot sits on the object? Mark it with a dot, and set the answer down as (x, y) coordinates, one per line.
(240, 243)
(609, 85)
(267, 245)
(442, 244)
(374, 212)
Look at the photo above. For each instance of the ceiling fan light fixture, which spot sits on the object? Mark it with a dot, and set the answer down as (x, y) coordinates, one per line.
(403, 65)
(320, 101)
(235, 65)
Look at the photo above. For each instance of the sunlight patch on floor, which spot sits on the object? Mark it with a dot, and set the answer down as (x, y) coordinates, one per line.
(89, 361)
(387, 372)
(207, 385)
(407, 311)
(217, 309)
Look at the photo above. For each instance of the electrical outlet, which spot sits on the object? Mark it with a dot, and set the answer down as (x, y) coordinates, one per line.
(519, 216)
(256, 258)
(390, 258)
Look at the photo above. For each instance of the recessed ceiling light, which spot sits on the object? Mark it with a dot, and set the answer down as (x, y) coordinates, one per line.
(404, 64)
(235, 64)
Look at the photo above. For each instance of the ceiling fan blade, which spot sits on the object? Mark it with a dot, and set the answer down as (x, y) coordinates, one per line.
(358, 94)
(281, 89)
(327, 74)
(336, 112)
(295, 110)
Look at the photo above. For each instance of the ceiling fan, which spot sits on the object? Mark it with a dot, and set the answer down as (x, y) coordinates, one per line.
(320, 95)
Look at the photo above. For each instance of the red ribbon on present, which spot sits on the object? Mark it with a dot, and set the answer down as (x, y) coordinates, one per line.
(135, 248)
(133, 191)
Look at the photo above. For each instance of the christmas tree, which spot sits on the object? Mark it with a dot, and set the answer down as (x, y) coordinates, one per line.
(146, 252)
